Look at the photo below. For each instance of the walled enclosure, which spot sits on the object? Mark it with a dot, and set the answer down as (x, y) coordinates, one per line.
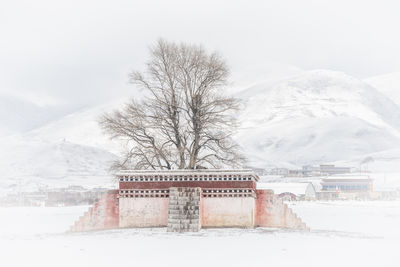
(224, 198)
(215, 212)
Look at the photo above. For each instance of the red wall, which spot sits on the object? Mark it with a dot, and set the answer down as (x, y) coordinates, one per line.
(272, 212)
(103, 215)
(201, 184)
(111, 209)
(263, 203)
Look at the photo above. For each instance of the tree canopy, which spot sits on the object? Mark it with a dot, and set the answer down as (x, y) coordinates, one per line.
(184, 121)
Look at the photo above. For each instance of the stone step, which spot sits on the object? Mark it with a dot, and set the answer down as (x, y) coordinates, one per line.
(179, 217)
(183, 226)
(184, 209)
(183, 222)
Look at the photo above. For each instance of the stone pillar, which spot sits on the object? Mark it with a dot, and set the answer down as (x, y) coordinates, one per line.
(184, 209)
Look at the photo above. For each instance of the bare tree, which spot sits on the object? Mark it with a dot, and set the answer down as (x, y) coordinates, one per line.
(185, 121)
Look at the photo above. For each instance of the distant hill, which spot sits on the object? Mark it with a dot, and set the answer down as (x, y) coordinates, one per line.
(388, 84)
(315, 117)
(28, 164)
(306, 118)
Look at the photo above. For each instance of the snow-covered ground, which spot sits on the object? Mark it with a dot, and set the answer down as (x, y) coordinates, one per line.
(343, 234)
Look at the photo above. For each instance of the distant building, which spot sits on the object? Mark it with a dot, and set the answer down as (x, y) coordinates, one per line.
(386, 194)
(347, 183)
(346, 187)
(291, 191)
(74, 195)
(310, 170)
(295, 173)
(324, 169)
(259, 171)
(279, 171)
(330, 169)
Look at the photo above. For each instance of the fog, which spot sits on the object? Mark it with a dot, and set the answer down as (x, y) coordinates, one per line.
(328, 137)
(78, 53)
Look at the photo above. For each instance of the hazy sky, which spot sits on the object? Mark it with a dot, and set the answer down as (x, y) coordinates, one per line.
(79, 52)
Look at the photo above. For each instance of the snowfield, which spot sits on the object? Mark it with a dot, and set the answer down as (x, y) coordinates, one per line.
(343, 234)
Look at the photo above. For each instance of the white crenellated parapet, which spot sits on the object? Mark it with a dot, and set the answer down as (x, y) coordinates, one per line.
(186, 175)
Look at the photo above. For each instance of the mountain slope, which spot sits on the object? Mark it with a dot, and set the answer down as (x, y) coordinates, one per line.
(388, 84)
(69, 150)
(80, 127)
(313, 117)
(19, 114)
(316, 117)
(28, 164)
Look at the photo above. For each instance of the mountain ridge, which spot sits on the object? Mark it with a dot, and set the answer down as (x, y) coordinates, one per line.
(311, 117)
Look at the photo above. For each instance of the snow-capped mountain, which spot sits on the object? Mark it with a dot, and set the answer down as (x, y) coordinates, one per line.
(312, 117)
(19, 114)
(80, 127)
(388, 84)
(315, 117)
(41, 146)
(28, 164)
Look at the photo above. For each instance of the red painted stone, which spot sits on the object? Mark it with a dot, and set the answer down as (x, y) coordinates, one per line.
(103, 215)
(201, 184)
(263, 202)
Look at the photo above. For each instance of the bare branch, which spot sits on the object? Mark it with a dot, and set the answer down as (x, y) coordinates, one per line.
(185, 121)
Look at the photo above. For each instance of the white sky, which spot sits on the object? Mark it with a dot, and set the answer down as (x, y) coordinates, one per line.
(79, 52)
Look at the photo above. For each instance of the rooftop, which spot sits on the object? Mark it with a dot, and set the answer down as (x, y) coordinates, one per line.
(186, 171)
(230, 173)
(348, 177)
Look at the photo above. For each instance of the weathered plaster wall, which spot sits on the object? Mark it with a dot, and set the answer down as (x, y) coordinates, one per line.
(267, 210)
(272, 212)
(143, 212)
(227, 212)
(102, 215)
